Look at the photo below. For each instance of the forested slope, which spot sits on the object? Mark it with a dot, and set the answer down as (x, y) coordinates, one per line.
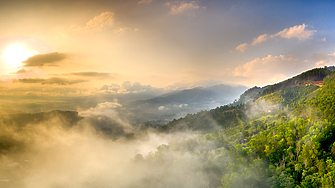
(283, 139)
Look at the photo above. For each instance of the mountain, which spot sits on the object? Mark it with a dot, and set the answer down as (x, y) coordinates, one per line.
(311, 77)
(284, 137)
(251, 94)
(164, 108)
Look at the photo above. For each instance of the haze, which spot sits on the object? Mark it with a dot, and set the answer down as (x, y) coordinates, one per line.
(122, 68)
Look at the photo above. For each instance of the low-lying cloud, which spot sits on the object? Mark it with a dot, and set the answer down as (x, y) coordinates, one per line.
(131, 87)
(49, 81)
(49, 154)
(93, 74)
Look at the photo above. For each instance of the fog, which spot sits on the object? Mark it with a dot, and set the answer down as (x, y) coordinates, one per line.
(87, 153)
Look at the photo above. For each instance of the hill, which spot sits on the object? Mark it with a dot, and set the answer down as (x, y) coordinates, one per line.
(162, 109)
(281, 139)
(311, 77)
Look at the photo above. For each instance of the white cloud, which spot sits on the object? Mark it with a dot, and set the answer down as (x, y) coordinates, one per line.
(267, 70)
(183, 105)
(102, 109)
(98, 23)
(107, 115)
(242, 47)
(144, 1)
(260, 39)
(299, 31)
(181, 7)
(324, 59)
(324, 40)
(161, 108)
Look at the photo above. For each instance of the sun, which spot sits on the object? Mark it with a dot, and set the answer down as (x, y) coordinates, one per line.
(15, 54)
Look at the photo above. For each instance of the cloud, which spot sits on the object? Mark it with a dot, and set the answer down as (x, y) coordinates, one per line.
(49, 81)
(144, 1)
(299, 31)
(98, 23)
(260, 39)
(44, 59)
(23, 71)
(106, 116)
(181, 7)
(93, 74)
(268, 70)
(324, 59)
(106, 109)
(122, 30)
(324, 40)
(242, 47)
(130, 87)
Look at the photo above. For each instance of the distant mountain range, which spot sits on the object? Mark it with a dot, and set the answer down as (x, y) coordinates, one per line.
(177, 104)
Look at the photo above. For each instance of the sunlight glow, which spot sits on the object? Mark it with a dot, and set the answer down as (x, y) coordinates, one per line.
(15, 54)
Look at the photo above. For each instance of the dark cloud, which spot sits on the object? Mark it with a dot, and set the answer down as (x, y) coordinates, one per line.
(50, 81)
(94, 74)
(23, 71)
(44, 59)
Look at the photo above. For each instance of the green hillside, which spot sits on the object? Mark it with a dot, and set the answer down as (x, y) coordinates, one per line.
(282, 139)
(307, 78)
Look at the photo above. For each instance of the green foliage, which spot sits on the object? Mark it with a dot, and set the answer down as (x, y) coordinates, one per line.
(288, 143)
(325, 99)
(291, 97)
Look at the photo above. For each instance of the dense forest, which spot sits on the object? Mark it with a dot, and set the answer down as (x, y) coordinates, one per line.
(282, 139)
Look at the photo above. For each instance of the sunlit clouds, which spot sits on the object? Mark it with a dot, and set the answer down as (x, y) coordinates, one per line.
(98, 23)
(181, 7)
(49, 59)
(270, 69)
(299, 31)
(324, 59)
(148, 47)
(144, 1)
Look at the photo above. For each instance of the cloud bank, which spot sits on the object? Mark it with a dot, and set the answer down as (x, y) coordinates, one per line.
(130, 87)
(93, 74)
(49, 81)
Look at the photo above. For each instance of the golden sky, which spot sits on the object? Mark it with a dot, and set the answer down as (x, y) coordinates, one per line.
(74, 48)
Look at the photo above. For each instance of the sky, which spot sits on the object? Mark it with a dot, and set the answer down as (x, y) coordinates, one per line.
(82, 48)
